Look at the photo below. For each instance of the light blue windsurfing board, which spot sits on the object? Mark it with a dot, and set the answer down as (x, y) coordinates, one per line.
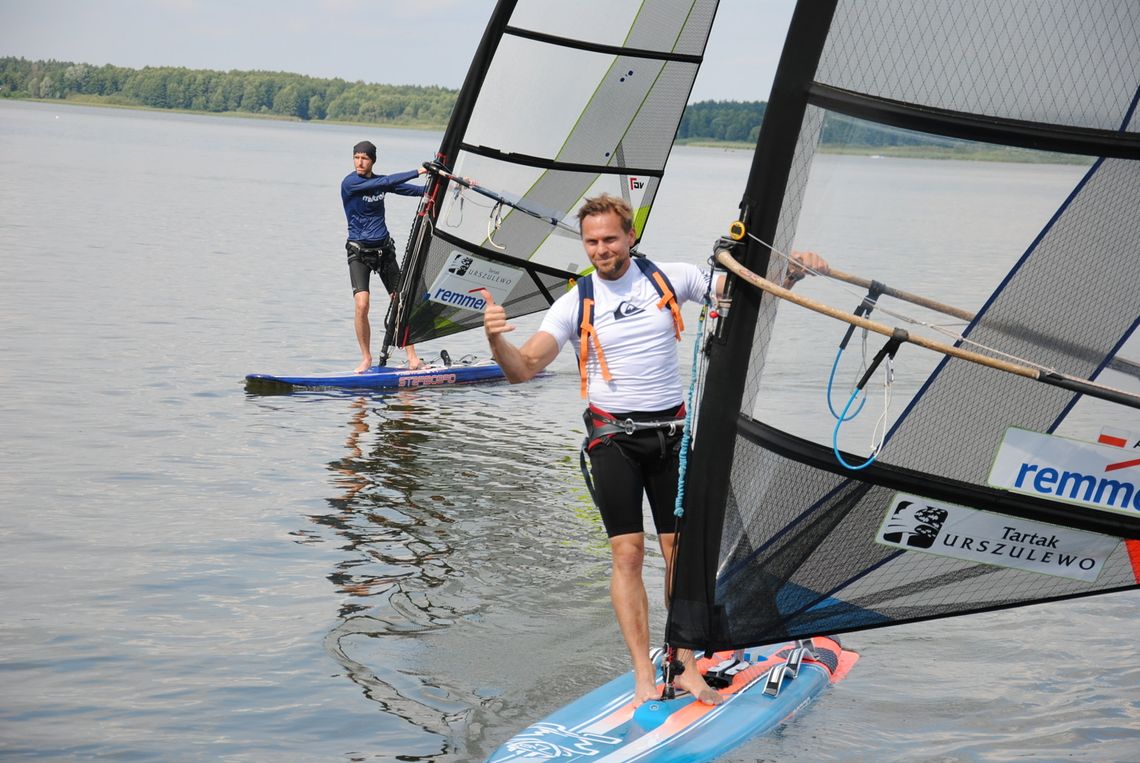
(762, 693)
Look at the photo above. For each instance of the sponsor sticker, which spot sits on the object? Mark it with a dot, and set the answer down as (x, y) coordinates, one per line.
(459, 282)
(1101, 476)
(918, 524)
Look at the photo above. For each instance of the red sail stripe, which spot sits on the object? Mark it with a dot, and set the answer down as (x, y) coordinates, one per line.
(1133, 547)
(1108, 439)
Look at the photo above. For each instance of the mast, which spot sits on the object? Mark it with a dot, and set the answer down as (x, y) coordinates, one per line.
(691, 613)
(420, 237)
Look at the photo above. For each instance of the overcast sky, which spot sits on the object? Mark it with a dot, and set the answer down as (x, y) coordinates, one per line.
(416, 42)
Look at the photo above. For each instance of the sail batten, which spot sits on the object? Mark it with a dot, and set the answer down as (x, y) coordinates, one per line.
(616, 50)
(527, 160)
(965, 126)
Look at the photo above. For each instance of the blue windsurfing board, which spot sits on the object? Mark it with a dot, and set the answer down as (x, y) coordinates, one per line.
(383, 377)
(762, 692)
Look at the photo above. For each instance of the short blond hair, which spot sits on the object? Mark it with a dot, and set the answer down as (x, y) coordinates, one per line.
(604, 204)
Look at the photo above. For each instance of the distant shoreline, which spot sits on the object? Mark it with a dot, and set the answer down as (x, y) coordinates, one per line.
(110, 103)
(985, 153)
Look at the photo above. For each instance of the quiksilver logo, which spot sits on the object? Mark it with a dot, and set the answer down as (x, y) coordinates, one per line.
(626, 309)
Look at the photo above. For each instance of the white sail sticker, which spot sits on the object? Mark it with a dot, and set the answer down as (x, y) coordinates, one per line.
(460, 282)
(918, 524)
(1088, 474)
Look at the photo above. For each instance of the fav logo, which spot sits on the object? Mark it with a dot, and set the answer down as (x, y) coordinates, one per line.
(636, 184)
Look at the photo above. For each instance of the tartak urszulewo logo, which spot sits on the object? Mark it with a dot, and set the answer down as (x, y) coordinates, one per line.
(914, 524)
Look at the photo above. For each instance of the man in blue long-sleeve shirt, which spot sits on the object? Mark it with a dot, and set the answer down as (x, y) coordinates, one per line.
(370, 246)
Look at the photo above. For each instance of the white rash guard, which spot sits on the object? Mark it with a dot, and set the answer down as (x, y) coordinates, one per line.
(637, 337)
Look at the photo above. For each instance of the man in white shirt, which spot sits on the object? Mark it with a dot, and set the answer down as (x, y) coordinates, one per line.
(634, 375)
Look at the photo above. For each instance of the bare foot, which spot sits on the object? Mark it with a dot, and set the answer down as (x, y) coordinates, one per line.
(364, 366)
(693, 682)
(415, 365)
(645, 693)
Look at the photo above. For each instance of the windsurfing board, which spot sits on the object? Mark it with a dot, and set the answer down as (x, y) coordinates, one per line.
(382, 377)
(763, 692)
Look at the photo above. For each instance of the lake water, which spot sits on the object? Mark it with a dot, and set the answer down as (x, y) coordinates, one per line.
(193, 573)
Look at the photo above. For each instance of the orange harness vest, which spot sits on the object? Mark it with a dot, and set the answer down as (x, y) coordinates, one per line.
(587, 334)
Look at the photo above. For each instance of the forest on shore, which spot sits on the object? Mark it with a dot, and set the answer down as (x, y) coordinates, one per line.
(283, 95)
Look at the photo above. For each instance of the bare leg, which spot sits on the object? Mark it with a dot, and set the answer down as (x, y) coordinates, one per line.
(414, 361)
(631, 605)
(690, 680)
(363, 330)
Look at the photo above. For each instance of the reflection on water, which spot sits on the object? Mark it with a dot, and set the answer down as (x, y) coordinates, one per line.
(388, 531)
(434, 506)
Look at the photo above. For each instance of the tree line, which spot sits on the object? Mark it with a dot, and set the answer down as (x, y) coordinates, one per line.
(249, 92)
(309, 98)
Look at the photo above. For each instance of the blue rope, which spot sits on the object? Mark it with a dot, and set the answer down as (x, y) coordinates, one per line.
(683, 459)
(835, 435)
(831, 379)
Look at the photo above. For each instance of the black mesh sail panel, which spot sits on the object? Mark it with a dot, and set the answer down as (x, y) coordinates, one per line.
(562, 102)
(990, 490)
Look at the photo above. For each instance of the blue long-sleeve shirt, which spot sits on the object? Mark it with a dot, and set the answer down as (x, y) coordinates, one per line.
(364, 203)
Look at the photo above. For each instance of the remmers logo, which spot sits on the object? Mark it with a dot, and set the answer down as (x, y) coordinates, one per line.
(1077, 486)
(1094, 474)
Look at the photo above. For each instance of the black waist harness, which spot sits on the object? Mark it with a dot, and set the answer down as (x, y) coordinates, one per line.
(602, 426)
(357, 249)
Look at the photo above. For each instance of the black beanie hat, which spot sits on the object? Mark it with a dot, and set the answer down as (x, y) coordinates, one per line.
(365, 147)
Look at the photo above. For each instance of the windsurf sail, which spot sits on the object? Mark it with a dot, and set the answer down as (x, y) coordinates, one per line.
(562, 101)
(989, 491)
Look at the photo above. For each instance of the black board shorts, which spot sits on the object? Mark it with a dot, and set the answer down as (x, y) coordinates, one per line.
(362, 260)
(626, 466)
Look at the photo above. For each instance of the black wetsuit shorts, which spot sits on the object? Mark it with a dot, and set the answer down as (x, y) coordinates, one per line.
(363, 259)
(625, 467)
